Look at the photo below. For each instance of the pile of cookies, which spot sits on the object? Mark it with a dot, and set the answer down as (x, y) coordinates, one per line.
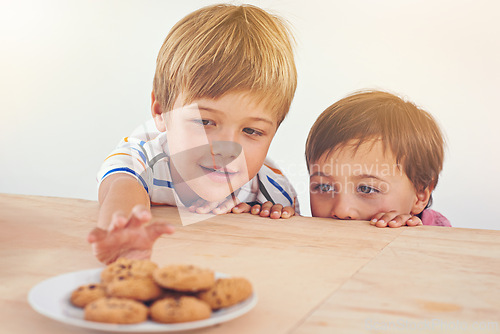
(131, 291)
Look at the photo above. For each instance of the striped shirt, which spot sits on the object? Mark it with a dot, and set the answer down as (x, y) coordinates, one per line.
(148, 161)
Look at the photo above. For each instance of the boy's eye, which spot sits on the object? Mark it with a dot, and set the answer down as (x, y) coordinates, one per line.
(323, 188)
(252, 132)
(203, 122)
(367, 189)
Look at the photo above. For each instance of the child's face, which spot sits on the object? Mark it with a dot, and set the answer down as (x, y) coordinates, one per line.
(357, 186)
(218, 145)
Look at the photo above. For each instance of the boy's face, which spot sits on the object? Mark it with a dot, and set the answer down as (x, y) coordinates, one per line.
(217, 146)
(358, 185)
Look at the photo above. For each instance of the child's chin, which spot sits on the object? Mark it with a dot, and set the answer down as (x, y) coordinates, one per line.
(213, 196)
(212, 192)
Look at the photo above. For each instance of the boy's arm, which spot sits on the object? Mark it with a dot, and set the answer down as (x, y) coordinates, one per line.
(119, 192)
(122, 229)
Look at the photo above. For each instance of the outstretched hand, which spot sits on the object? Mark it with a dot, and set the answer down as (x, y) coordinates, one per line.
(131, 237)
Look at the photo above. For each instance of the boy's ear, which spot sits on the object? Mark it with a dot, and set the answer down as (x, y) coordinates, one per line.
(421, 200)
(157, 113)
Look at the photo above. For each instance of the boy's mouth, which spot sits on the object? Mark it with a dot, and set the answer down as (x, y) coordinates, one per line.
(220, 175)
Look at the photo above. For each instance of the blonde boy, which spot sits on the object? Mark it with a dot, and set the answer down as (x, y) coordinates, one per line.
(373, 156)
(224, 81)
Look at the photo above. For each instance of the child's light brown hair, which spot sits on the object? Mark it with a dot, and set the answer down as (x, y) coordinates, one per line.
(225, 48)
(408, 131)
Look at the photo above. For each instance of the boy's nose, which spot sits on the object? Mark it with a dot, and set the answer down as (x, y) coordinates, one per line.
(343, 208)
(225, 149)
(225, 133)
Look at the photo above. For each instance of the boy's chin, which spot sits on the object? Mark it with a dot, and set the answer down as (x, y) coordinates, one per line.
(212, 194)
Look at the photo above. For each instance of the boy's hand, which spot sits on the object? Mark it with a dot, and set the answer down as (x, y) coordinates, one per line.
(217, 208)
(267, 209)
(235, 206)
(127, 237)
(393, 219)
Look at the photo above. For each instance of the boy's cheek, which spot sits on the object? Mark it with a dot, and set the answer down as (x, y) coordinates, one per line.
(187, 143)
(319, 208)
(254, 157)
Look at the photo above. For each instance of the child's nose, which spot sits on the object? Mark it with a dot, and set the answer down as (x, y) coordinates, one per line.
(343, 208)
(228, 134)
(226, 149)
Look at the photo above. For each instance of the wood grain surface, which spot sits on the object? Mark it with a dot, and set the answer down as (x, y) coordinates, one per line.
(311, 275)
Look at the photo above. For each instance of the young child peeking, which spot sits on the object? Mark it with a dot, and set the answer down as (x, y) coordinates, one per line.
(225, 78)
(373, 156)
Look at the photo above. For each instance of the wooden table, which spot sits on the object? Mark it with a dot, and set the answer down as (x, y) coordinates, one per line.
(311, 275)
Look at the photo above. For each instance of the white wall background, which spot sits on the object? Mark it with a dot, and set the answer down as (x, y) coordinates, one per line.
(75, 76)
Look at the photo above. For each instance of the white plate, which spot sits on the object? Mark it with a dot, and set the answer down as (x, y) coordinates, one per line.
(51, 299)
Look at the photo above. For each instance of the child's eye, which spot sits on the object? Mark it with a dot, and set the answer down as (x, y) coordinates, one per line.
(252, 132)
(203, 122)
(367, 189)
(323, 188)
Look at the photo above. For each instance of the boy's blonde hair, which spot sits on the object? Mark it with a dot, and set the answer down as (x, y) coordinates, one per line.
(225, 48)
(408, 131)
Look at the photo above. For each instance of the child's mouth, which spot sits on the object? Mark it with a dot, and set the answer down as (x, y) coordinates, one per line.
(220, 175)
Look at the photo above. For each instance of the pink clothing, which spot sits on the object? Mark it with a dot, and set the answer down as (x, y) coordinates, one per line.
(433, 218)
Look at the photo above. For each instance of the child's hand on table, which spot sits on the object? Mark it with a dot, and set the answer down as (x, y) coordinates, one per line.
(393, 219)
(218, 208)
(132, 238)
(267, 209)
(233, 205)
